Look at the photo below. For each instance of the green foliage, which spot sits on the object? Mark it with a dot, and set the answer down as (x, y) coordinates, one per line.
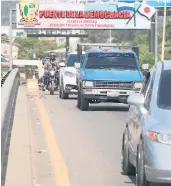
(145, 55)
(136, 38)
(168, 32)
(140, 39)
(29, 46)
(96, 36)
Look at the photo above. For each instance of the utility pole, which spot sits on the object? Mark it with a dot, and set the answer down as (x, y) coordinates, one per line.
(164, 33)
(156, 36)
(10, 34)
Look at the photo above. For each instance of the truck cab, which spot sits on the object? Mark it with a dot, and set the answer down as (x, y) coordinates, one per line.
(107, 76)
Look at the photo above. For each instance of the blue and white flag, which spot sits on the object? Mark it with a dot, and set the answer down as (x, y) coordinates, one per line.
(126, 7)
(126, 1)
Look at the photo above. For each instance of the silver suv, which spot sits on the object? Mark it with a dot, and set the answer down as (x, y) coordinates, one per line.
(146, 147)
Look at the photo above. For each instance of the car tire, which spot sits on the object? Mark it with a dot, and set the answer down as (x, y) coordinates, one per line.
(84, 103)
(140, 171)
(127, 167)
(63, 94)
(78, 100)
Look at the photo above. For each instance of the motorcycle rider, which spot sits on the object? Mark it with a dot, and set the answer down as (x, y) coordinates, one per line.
(51, 62)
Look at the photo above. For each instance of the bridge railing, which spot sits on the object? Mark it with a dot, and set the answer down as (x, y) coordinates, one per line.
(9, 89)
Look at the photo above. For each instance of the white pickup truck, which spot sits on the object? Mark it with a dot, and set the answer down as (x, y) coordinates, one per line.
(68, 77)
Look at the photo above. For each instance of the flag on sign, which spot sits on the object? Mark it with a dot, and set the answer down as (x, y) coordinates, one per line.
(146, 11)
(126, 7)
(126, 1)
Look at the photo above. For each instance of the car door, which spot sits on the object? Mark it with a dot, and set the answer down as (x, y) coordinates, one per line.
(140, 117)
(134, 122)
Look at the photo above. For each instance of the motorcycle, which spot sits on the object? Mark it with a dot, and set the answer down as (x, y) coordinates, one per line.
(52, 81)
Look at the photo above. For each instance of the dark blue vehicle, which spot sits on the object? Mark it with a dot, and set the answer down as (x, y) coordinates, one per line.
(108, 77)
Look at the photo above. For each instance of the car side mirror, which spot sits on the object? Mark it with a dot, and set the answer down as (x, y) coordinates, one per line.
(77, 65)
(145, 66)
(62, 64)
(136, 100)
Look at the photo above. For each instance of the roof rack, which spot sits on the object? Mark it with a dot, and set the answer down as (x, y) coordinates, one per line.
(80, 45)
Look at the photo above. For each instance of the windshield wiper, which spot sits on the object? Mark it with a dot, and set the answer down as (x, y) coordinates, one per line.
(132, 67)
(94, 66)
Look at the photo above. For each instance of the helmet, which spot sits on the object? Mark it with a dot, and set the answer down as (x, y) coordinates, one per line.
(52, 56)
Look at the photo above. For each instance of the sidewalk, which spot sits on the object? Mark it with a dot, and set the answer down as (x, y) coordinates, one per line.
(29, 163)
(19, 170)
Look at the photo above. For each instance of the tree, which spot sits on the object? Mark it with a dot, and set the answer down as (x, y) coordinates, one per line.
(168, 32)
(29, 46)
(145, 55)
(96, 36)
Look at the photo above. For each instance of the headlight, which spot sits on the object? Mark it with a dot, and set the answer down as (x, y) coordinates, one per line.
(138, 86)
(52, 72)
(88, 84)
(159, 137)
(69, 74)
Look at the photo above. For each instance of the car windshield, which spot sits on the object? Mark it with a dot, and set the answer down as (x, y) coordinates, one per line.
(71, 60)
(164, 93)
(112, 60)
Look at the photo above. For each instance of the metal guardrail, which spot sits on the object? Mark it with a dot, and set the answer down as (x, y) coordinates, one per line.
(4, 77)
(9, 89)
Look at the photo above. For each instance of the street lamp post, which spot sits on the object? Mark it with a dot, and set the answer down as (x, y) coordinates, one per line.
(10, 34)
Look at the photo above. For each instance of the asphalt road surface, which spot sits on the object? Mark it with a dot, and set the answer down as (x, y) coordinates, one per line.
(89, 141)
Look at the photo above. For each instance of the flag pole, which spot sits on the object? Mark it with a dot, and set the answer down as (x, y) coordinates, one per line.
(164, 34)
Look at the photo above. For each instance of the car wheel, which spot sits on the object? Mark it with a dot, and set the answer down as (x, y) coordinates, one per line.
(127, 167)
(78, 100)
(140, 171)
(84, 103)
(63, 94)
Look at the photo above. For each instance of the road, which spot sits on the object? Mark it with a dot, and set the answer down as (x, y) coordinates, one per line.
(90, 141)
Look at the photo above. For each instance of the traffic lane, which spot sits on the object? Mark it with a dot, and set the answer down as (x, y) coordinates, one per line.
(90, 142)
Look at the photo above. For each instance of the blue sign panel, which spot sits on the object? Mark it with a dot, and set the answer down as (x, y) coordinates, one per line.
(159, 3)
(154, 3)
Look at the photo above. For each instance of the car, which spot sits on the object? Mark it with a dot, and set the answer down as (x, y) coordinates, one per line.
(68, 77)
(146, 142)
(107, 76)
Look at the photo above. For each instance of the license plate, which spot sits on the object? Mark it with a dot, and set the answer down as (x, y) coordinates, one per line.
(112, 94)
(96, 91)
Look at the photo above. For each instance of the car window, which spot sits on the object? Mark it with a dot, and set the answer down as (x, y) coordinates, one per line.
(111, 60)
(164, 91)
(148, 94)
(82, 60)
(71, 60)
(146, 84)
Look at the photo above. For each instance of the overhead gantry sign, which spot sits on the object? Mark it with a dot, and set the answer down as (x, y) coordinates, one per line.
(31, 14)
